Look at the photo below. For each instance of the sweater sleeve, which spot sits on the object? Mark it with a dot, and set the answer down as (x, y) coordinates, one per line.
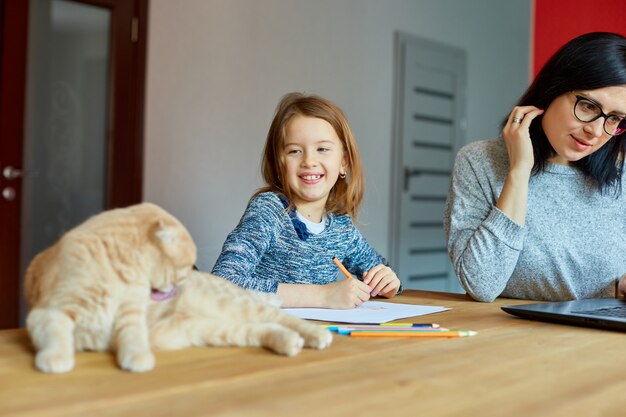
(362, 256)
(483, 243)
(245, 245)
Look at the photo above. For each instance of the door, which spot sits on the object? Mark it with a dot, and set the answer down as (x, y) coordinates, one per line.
(71, 106)
(429, 128)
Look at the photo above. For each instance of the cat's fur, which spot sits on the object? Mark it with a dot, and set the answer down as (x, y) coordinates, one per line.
(209, 310)
(95, 289)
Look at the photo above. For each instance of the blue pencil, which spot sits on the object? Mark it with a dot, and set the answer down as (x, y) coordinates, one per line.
(336, 327)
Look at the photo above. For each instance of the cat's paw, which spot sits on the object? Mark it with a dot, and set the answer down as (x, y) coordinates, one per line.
(54, 362)
(287, 342)
(319, 338)
(136, 361)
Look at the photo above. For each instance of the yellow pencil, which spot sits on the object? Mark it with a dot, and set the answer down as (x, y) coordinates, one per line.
(433, 325)
(341, 267)
(456, 333)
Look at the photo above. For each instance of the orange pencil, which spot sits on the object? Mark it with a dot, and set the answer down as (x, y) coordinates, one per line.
(341, 267)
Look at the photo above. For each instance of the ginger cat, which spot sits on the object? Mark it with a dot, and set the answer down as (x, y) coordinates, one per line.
(123, 280)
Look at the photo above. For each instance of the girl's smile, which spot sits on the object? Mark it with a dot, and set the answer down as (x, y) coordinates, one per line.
(311, 178)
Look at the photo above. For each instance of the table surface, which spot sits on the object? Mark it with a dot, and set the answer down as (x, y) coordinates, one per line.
(512, 367)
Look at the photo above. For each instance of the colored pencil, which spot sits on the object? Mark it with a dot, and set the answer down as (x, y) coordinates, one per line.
(456, 333)
(408, 326)
(395, 329)
(342, 268)
(382, 329)
(342, 330)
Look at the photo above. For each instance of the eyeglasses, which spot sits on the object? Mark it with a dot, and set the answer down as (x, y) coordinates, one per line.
(587, 111)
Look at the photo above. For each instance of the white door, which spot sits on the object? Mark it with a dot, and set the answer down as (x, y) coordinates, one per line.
(429, 128)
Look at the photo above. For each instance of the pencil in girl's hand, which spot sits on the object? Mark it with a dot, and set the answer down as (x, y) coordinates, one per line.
(342, 268)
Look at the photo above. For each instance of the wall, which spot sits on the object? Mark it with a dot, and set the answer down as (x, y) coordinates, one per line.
(558, 21)
(217, 68)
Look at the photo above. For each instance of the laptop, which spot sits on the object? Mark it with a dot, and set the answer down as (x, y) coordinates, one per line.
(604, 313)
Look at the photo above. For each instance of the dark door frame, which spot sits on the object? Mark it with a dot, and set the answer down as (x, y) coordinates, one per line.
(125, 127)
(14, 26)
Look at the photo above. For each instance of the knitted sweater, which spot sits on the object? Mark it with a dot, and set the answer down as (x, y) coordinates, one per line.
(572, 246)
(265, 249)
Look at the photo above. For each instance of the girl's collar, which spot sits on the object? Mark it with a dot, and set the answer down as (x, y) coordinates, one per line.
(301, 230)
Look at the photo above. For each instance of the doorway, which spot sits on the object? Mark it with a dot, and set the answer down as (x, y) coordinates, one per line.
(429, 129)
(72, 85)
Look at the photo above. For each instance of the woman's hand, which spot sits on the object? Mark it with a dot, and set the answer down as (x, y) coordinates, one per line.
(516, 136)
(382, 280)
(513, 199)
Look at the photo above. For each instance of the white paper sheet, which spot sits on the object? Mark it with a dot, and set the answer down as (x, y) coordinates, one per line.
(370, 312)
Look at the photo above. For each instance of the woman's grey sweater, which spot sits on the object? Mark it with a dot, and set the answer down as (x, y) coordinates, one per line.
(572, 246)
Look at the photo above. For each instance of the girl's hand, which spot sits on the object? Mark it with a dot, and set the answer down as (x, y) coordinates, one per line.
(383, 280)
(516, 136)
(346, 294)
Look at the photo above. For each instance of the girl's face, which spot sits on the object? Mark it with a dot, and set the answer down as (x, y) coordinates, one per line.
(313, 156)
(572, 139)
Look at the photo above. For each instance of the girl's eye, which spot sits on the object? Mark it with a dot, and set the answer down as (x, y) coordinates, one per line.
(292, 151)
(323, 149)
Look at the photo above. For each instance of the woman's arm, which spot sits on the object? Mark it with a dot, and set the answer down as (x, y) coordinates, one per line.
(483, 243)
(513, 199)
(484, 228)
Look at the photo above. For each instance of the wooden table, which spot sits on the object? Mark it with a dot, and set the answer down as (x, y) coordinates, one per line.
(513, 367)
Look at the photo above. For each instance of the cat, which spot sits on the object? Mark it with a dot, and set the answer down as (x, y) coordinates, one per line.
(123, 281)
(209, 310)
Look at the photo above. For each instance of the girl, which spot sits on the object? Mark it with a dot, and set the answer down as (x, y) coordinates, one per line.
(303, 217)
(539, 214)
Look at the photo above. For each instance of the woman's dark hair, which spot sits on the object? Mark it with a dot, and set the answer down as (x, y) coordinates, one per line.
(591, 61)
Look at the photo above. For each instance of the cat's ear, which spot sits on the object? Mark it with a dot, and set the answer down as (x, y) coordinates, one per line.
(175, 242)
(166, 232)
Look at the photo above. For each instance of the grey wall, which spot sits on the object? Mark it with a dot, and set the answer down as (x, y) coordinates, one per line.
(217, 68)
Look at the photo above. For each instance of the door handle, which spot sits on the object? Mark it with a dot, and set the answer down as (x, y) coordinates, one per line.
(8, 193)
(11, 173)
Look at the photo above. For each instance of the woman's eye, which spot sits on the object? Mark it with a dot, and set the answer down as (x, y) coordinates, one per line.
(614, 120)
(588, 106)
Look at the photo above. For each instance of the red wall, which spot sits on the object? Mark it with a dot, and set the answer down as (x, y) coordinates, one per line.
(558, 21)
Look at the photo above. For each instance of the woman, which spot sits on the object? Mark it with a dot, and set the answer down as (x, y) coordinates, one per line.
(539, 213)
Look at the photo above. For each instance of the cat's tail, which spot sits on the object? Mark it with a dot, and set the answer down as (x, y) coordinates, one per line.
(52, 334)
